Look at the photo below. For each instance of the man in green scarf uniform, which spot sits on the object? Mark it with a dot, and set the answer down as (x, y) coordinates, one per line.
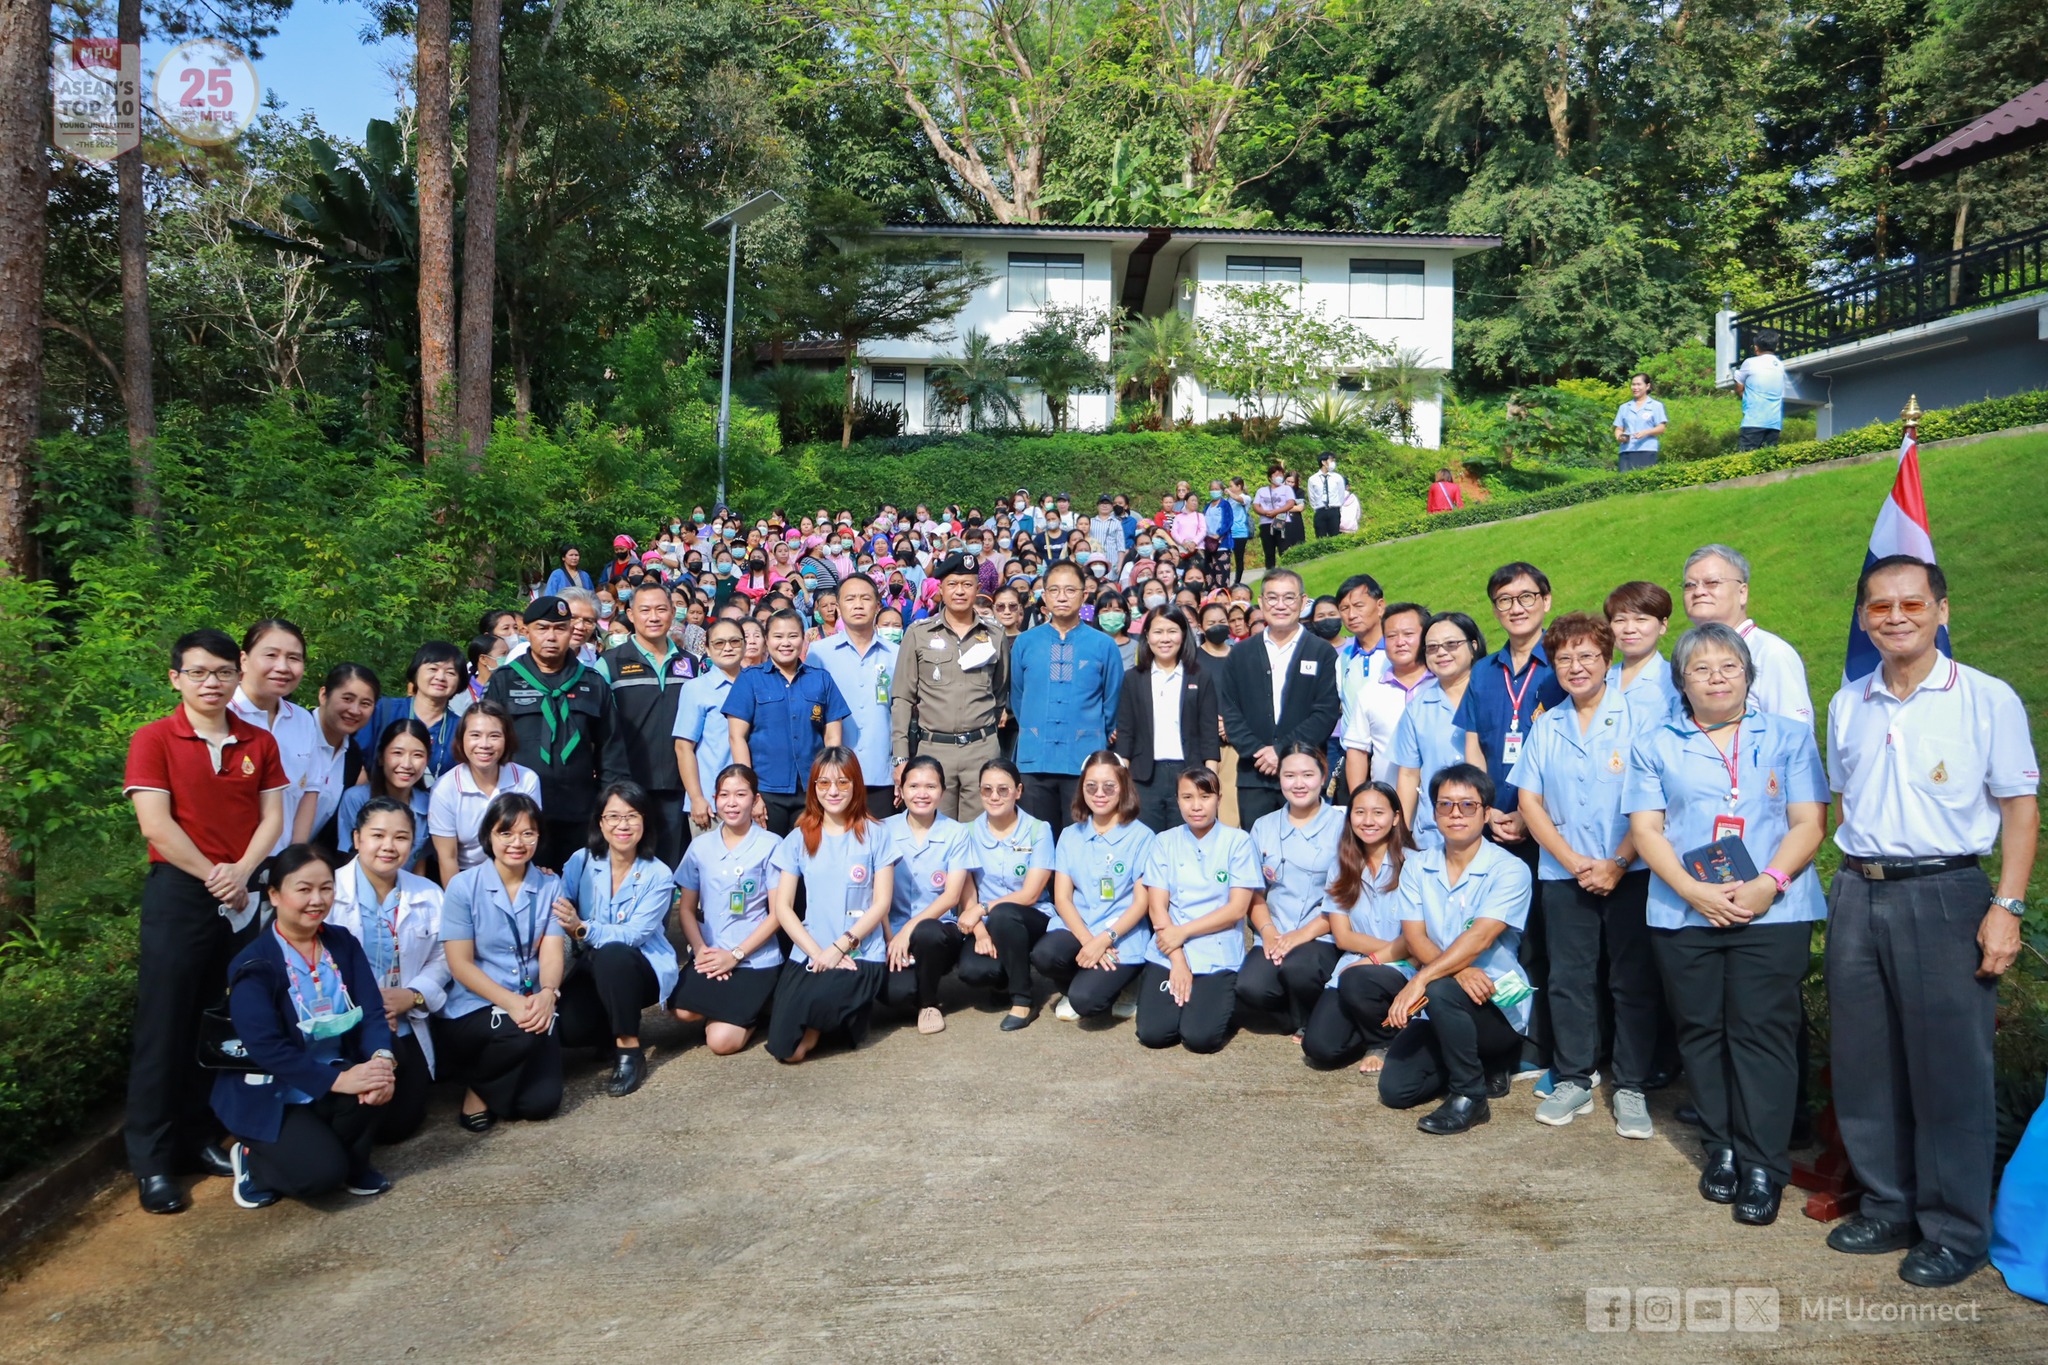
(567, 725)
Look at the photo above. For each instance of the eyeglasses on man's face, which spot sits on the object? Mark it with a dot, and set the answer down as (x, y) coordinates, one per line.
(1466, 807)
(219, 675)
(1912, 608)
(1523, 600)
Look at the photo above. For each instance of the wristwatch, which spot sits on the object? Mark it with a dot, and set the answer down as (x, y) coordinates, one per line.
(419, 1002)
(2011, 905)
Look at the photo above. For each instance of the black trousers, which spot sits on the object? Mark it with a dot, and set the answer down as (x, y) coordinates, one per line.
(934, 949)
(1533, 952)
(185, 950)
(1329, 521)
(517, 1074)
(1272, 539)
(1050, 797)
(1351, 1016)
(1090, 992)
(1016, 929)
(1201, 1025)
(1290, 990)
(604, 997)
(559, 840)
(401, 1117)
(1912, 1050)
(783, 810)
(882, 801)
(318, 1147)
(1451, 1050)
(1734, 996)
(1159, 796)
(1237, 553)
(1582, 927)
(671, 826)
(1254, 802)
(1756, 438)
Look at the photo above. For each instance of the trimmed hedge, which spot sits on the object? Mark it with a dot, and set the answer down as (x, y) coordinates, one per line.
(64, 1029)
(1972, 419)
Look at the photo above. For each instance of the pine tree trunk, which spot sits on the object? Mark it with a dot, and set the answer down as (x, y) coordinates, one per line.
(480, 236)
(138, 383)
(437, 233)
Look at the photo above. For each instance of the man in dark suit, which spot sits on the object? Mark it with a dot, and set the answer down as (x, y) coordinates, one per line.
(1279, 688)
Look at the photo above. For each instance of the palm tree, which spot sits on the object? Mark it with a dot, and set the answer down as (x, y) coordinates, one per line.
(976, 384)
(1154, 352)
(1058, 372)
(1406, 378)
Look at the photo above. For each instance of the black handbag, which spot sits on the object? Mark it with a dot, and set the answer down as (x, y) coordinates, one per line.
(220, 1042)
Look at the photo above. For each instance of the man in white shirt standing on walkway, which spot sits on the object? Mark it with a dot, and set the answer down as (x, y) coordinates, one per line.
(1326, 492)
(1716, 588)
(1933, 768)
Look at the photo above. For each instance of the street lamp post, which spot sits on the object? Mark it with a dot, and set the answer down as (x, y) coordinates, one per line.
(732, 221)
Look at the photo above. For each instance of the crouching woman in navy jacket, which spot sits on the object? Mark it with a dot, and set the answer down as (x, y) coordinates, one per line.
(304, 1123)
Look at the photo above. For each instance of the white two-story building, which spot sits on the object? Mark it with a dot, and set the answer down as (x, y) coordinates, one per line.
(1395, 287)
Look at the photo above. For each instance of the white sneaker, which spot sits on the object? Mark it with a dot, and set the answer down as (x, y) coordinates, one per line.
(1565, 1103)
(1126, 1006)
(1065, 1011)
(1632, 1115)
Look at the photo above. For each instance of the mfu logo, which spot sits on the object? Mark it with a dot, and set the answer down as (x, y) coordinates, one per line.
(1746, 1308)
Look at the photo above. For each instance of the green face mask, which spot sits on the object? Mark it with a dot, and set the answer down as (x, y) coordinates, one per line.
(1112, 621)
(331, 1025)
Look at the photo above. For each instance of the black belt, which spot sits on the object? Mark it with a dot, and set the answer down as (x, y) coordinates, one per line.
(1905, 869)
(945, 737)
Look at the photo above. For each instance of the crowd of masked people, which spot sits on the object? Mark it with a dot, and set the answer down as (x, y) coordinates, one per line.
(776, 780)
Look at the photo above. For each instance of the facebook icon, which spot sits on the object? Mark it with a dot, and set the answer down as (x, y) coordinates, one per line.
(1607, 1310)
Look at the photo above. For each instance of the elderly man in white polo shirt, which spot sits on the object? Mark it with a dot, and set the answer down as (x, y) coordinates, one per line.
(1933, 766)
(1716, 588)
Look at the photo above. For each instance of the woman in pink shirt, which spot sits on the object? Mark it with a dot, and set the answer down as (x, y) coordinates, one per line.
(1445, 494)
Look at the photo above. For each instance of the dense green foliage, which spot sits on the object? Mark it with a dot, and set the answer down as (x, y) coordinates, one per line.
(64, 1027)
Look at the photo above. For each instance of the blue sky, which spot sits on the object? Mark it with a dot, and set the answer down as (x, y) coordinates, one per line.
(319, 61)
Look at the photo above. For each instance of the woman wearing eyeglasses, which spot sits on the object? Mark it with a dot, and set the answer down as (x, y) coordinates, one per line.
(1098, 947)
(1725, 804)
(1428, 739)
(1463, 905)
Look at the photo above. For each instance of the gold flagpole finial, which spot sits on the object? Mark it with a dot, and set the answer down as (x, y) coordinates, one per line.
(1910, 414)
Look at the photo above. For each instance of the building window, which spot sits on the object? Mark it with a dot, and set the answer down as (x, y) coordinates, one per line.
(889, 384)
(1386, 289)
(1040, 279)
(1263, 270)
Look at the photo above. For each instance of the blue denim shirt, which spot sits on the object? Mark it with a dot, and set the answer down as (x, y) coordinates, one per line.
(1063, 693)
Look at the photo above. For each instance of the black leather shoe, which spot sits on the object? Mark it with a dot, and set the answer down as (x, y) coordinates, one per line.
(1934, 1266)
(629, 1072)
(482, 1121)
(1012, 1022)
(1458, 1114)
(213, 1161)
(1718, 1180)
(1757, 1203)
(1687, 1114)
(1860, 1236)
(160, 1194)
(1498, 1083)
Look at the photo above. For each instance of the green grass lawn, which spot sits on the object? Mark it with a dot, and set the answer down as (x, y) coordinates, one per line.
(1805, 538)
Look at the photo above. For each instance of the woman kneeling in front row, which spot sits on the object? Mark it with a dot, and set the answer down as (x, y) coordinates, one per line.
(847, 866)
(304, 1128)
(1285, 972)
(614, 905)
(1198, 884)
(1463, 906)
(505, 952)
(1099, 947)
(1365, 920)
(725, 879)
(931, 884)
(396, 916)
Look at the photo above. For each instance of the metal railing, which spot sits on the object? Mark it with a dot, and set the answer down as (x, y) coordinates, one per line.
(1905, 296)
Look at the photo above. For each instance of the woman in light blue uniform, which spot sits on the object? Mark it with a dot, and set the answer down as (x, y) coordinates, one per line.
(614, 907)
(1463, 907)
(1098, 948)
(933, 867)
(847, 867)
(1639, 613)
(505, 951)
(724, 881)
(1286, 971)
(396, 916)
(1426, 741)
(1365, 921)
(1198, 884)
(1732, 952)
(398, 770)
(1011, 899)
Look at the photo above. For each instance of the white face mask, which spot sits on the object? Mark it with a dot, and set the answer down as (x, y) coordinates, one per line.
(1019, 504)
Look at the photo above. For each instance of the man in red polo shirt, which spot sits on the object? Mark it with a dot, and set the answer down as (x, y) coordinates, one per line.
(208, 790)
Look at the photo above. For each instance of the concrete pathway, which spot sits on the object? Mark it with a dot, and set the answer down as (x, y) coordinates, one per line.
(1058, 1195)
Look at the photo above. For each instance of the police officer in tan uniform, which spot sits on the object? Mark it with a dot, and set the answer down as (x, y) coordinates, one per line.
(951, 686)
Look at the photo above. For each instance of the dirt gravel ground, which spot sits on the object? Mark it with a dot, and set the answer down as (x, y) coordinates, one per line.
(1056, 1195)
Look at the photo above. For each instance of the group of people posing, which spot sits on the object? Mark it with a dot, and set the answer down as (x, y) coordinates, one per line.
(1565, 858)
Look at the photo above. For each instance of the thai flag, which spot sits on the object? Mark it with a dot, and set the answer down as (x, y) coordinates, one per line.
(1901, 529)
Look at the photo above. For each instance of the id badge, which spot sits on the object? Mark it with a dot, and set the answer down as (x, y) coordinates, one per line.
(736, 903)
(1107, 889)
(1728, 827)
(882, 687)
(1511, 747)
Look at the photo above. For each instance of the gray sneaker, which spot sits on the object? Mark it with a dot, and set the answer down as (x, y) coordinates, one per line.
(1632, 1115)
(1565, 1103)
